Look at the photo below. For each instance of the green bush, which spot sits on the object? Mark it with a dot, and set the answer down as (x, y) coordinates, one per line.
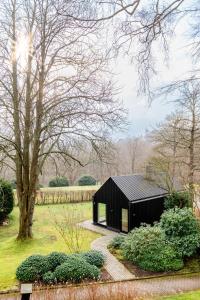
(147, 248)
(76, 269)
(117, 242)
(32, 268)
(14, 183)
(182, 230)
(48, 278)
(95, 258)
(86, 180)
(59, 182)
(6, 199)
(55, 259)
(177, 199)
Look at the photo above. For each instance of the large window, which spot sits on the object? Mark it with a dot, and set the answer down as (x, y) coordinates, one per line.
(124, 220)
(102, 213)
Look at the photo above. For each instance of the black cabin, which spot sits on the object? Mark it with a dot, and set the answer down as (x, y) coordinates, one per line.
(124, 202)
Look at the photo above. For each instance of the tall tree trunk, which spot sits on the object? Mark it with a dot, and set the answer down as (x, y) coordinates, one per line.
(191, 161)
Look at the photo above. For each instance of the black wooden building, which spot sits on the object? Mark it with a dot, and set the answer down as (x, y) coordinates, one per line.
(124, 202)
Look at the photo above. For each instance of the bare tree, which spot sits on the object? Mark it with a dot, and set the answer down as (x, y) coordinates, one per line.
(53, 92)
(179, 138)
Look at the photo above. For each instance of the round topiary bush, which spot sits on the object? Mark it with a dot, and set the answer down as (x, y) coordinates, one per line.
(55, 259)
(6, 199)
(95, 258)
(87, 180)
(76, 269)
(147, 247)
(117, 242)
(177, 199)
(32, 268)
(182, 230)
(48, 278)
(59, 182)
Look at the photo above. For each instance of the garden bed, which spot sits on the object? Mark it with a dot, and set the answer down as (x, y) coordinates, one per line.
(192, 265)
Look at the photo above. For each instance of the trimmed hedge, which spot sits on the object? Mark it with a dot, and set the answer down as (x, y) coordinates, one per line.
(87, 180)
(6, 199)
(94, 257)
(60, 267)
(55, 259)
(48, 278)
(76, 269)
(32, 268)
(59, 182)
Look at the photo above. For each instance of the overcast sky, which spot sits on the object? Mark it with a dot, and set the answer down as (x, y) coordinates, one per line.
(143, 117)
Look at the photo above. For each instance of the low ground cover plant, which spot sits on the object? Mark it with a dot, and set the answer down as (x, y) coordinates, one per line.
(117, 242)
(59, 267)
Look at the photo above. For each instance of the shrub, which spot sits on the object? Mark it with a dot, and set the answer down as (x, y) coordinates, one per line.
(177, 199)
(6, 199)
(95, 258)
(59, 182)
(55, 259)
(14, 183)
(76, 269)
(48, 278)
(86, 180)
(182, 230)
(32, 268)
(117, 242)
(147, 248)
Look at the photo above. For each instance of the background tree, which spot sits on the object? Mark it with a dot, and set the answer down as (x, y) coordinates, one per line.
(53, 92)
(178, 139)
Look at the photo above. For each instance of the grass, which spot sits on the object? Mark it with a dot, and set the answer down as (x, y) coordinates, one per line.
(186, 296)
(46, 238)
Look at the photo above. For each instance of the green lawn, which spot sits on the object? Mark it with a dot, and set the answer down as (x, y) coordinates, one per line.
(46, 238)
(186, 296)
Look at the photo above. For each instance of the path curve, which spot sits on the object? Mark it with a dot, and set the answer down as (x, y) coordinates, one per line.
(116, 269)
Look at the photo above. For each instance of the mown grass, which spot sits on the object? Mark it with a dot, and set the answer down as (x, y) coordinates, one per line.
(185, 296)
(46, 238)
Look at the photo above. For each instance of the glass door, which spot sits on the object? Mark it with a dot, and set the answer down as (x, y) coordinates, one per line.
(124, 220)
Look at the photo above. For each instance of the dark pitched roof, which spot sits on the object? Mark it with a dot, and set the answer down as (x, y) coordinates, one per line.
(137, 187)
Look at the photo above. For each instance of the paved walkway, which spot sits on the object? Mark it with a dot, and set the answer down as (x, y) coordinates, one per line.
(116, 270)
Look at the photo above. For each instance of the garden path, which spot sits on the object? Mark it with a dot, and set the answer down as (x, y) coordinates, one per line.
(116, 270)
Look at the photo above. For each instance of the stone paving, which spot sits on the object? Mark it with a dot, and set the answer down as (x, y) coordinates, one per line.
(116, 270)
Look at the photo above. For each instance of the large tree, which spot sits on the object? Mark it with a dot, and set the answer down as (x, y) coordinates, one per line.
(178, 138)
(55, 93)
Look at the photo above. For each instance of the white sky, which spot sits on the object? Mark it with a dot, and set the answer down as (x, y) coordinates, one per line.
(141, 116)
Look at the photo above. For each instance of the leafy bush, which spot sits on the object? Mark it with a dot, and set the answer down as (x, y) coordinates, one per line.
(14, 183)
(55, 259)
(177, 199)
(147, 248)
(95, 258)
(6, 199)
(48, 278)
(182, 230)
(32, 268)
(59, 182)
(76, 269)
(86, 180)
(117, 242)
